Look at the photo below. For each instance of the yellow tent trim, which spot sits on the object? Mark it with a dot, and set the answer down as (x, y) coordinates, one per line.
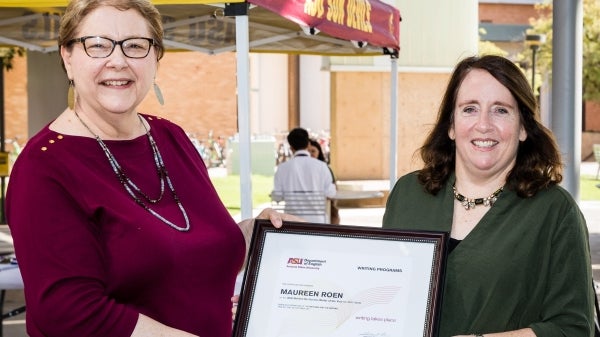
(63, 3)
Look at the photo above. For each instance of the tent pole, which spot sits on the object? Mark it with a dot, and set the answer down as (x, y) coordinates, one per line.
(243, 96)
(393, 121)
(567, 68)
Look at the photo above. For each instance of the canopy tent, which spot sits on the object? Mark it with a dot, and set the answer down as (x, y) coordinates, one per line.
(284, 26)
(320, 27)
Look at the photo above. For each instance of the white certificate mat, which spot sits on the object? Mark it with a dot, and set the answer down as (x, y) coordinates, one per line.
(311, 280)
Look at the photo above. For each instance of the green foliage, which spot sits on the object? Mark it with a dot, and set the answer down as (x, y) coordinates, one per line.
(541, 25)
(489, 48)
(591, 45)
(7, 55)
(591, 50)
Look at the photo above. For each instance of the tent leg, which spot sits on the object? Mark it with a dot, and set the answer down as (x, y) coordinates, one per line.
(393, 122)
(243, 84)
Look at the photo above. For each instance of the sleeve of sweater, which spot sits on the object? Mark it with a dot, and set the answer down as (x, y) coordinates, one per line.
(568, 306)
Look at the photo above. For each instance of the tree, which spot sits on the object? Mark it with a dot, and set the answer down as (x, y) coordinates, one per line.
(7, 54)
(591, 50)
(488, 47)
(591, 45)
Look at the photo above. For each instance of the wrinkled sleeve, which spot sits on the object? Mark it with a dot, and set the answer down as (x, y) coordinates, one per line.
(568, 305)
(60, 254)
(277, 193)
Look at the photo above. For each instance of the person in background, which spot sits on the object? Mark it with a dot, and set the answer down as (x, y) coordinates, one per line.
(315, 150)
(519, 259)
(302, 174)
(117, 228)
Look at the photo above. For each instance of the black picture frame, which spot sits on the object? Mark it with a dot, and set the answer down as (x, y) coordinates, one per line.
(422, 253)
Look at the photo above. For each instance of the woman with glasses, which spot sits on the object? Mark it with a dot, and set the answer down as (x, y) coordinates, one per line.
(117, 228)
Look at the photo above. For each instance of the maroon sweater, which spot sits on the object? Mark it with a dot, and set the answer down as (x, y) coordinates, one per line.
(92, 259)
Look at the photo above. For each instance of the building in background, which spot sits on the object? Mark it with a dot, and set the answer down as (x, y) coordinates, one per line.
(505, 23)
(346, 98)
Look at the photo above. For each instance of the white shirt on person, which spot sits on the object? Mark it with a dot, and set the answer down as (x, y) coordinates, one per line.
(303, 173)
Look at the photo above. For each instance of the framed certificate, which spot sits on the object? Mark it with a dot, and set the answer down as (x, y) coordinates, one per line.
(308, 280)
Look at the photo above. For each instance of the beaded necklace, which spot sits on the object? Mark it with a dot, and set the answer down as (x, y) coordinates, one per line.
(469, 203)
(133, 190)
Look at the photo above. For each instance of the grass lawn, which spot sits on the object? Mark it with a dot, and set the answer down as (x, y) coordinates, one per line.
(228, 188)
(588, 189)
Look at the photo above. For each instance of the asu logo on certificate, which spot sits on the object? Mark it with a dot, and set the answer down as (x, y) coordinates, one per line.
(294, 260)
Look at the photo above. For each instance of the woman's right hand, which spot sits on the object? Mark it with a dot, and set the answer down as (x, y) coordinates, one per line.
(234, 300)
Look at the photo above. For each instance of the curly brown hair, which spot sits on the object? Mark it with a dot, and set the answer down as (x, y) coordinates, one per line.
(538, 164)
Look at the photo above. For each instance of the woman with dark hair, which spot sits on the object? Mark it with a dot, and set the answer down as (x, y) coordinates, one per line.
(519, 260)
(316, 151)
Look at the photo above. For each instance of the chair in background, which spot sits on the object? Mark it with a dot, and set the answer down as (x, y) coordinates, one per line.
(597, 156)
(310, 205)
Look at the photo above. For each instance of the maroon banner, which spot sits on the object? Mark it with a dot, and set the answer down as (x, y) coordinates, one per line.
(370, 21)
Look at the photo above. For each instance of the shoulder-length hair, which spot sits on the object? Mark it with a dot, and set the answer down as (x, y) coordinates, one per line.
(538, 164)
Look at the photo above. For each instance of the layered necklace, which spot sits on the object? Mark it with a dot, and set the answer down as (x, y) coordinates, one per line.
(469, 203)
(133, 190)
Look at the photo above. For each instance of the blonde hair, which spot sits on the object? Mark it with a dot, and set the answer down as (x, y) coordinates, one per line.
(79, 9)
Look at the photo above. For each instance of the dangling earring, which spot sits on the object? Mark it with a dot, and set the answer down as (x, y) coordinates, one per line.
(158, 94)
(71, 95)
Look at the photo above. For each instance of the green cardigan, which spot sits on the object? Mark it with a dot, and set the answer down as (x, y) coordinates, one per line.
(525, 264)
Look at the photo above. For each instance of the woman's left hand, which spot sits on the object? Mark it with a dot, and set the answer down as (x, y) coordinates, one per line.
(277, 218)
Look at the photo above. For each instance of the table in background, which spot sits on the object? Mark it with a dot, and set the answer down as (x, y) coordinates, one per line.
(361, 193)
(356, 195)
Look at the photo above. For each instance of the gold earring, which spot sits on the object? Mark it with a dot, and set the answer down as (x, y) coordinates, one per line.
(71, 95)
(158, 94)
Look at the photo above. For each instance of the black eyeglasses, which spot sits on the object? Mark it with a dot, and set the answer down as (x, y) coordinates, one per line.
(101, 47)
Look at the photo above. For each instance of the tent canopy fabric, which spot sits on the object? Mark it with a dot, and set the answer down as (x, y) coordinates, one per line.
(357, 27)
